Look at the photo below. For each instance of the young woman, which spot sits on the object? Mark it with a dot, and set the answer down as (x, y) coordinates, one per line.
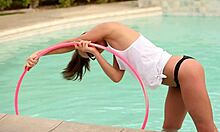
(182, 74)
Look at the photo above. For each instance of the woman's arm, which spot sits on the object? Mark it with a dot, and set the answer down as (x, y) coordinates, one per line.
(65, 49)
(96, 34)
(32, 60)
(113, 72)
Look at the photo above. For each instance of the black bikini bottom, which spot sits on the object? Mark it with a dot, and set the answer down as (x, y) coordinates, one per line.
(177, 67)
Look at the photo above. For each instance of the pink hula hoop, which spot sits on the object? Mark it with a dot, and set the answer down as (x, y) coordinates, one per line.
(70, 44)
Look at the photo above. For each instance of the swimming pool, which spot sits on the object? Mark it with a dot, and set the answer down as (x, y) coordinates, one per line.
(96, 99)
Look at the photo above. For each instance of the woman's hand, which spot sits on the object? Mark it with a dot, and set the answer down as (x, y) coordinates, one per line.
(84, 48)
(32, 60)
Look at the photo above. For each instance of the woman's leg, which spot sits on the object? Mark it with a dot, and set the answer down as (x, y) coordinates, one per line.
(175, 111)
(193, 89)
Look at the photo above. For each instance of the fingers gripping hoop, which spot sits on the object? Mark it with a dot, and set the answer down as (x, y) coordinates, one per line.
(70, 44)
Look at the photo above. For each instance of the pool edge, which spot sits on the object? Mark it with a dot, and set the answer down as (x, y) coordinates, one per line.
(14, 123)
(58, 24)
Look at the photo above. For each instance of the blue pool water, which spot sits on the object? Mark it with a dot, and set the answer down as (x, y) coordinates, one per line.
(96, 99)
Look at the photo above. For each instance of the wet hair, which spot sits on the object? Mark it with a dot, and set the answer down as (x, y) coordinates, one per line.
(77, 67)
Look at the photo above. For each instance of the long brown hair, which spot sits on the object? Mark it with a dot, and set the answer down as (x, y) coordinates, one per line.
(76, 68)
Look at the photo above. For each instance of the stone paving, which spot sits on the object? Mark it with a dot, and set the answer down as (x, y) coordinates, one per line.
(13, 123)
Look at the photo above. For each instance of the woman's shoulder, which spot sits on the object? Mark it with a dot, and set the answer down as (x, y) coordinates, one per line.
(112, 25)
(116, 30)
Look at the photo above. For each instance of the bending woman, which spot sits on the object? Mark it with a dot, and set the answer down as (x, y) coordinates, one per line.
(183, 75)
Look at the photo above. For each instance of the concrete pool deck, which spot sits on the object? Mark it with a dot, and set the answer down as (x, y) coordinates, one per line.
(13, 123)
(32, 22)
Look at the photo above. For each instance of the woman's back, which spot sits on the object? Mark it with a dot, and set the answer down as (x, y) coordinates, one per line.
(119, 36)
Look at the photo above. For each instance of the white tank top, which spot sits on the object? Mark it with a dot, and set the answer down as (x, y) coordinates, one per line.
(147, 59)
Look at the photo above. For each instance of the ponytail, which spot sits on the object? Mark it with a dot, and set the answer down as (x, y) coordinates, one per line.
(76, 68)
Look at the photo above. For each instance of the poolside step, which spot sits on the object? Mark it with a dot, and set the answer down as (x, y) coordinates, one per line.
(13, 123)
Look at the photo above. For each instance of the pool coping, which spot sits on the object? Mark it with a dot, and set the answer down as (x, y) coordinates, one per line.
(14, 123)
(13, 33)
